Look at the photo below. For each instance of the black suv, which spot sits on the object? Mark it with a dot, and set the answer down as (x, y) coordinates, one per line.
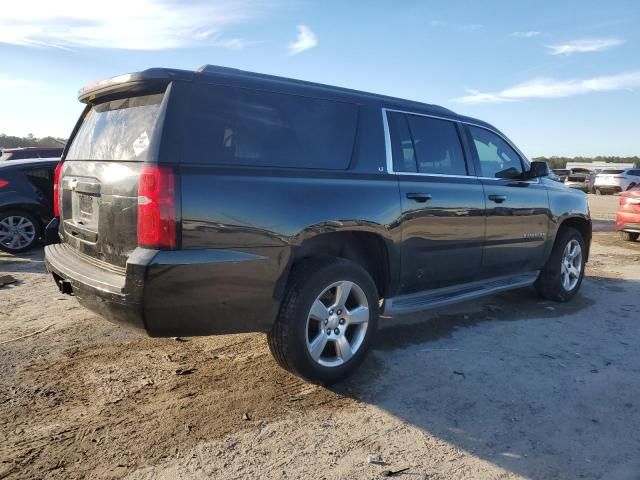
(219, 201)
(26, 202)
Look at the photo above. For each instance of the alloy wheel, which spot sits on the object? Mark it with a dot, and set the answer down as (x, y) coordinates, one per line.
(337, 324)
(16, 232)
(571, 265)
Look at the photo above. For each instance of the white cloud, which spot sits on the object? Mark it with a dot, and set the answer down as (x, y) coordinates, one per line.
(305, 40)
(583, 46)
(550, 88)
(526, 34)
(123, 24)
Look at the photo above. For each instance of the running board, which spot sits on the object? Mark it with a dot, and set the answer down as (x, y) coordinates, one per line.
(415, 302)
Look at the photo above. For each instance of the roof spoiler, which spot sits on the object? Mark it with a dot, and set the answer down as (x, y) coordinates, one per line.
(133, 82)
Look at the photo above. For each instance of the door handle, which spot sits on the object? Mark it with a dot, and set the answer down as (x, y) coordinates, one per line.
(419, 197)
(497, 198)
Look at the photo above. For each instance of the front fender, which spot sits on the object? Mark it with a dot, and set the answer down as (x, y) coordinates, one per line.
(568, 205)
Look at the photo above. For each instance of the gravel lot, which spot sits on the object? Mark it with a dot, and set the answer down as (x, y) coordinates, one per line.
(505, 387)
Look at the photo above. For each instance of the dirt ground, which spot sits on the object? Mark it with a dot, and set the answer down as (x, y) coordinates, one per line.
(505, 387)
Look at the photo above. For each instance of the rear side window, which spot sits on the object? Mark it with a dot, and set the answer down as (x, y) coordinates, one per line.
(404, 158)
(42, 179)
(425, 145)
(239, 126)
(497, 158)
(117, 130)
(437, 146)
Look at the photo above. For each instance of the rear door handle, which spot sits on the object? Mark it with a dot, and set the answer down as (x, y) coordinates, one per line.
(497, 198)
(419, 197)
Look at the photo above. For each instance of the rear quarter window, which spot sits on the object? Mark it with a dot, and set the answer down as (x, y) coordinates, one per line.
(240, 126)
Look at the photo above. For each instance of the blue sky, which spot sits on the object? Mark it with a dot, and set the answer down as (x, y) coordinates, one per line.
(559, 78)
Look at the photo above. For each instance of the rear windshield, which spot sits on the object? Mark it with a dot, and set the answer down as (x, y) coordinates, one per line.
(612, 171)
(117, 130)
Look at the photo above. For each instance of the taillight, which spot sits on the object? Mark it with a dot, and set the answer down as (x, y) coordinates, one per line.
(56, 190)
(3, 183)
(157, 208)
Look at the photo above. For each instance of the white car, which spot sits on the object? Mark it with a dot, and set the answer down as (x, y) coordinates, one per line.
(616, 180)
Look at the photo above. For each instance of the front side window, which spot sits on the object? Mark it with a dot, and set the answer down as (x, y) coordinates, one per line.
(240, 126)
(497, 158)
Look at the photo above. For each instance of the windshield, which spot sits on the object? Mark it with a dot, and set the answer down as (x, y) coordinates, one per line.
(117, 130)
(612, 171)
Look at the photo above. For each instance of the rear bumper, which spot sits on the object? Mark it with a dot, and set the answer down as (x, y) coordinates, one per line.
(176, 293)
(628, 223)
(608, 188)
(578, 186)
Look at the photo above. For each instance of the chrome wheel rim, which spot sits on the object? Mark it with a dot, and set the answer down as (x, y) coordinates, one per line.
(571, 265)
(16, 232)
(337, 324)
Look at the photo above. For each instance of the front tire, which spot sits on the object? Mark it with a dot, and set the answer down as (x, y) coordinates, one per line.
(561, 277)
(19, 231)
(327, 320)
(629, 236)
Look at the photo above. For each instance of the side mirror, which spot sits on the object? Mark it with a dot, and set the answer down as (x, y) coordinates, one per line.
(538, 169)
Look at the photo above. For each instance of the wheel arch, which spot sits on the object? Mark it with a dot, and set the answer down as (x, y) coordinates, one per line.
(370, 250)
(583, 225)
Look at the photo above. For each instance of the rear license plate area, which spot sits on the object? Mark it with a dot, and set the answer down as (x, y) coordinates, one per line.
(85, 210)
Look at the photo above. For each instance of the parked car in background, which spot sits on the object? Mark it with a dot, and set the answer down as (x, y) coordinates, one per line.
(277, 205)
(628, 215)
(577, 181)
(553, 176)
(590, 180)
(562, 173)
(26, 202)
(614, 180)
(26, 153)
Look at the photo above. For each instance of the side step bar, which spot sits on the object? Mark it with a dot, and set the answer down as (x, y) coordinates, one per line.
(439, 297)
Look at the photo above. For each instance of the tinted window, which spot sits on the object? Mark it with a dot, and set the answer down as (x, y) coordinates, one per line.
(117, 130)
(437, 146)
(612, 172)
(42, 179)
(497, 158)
(238, 126)
(22, 155)
(50, 153)
(404, 159)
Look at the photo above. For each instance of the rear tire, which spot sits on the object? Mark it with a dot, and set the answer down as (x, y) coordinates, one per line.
(561, 277)
(629, 236)
(327, 320)
(19, 231)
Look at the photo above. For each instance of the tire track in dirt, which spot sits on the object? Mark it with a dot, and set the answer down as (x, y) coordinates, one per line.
(101, 410)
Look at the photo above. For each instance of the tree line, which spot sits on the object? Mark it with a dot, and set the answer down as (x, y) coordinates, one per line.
(11, 141)
(561, 162)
